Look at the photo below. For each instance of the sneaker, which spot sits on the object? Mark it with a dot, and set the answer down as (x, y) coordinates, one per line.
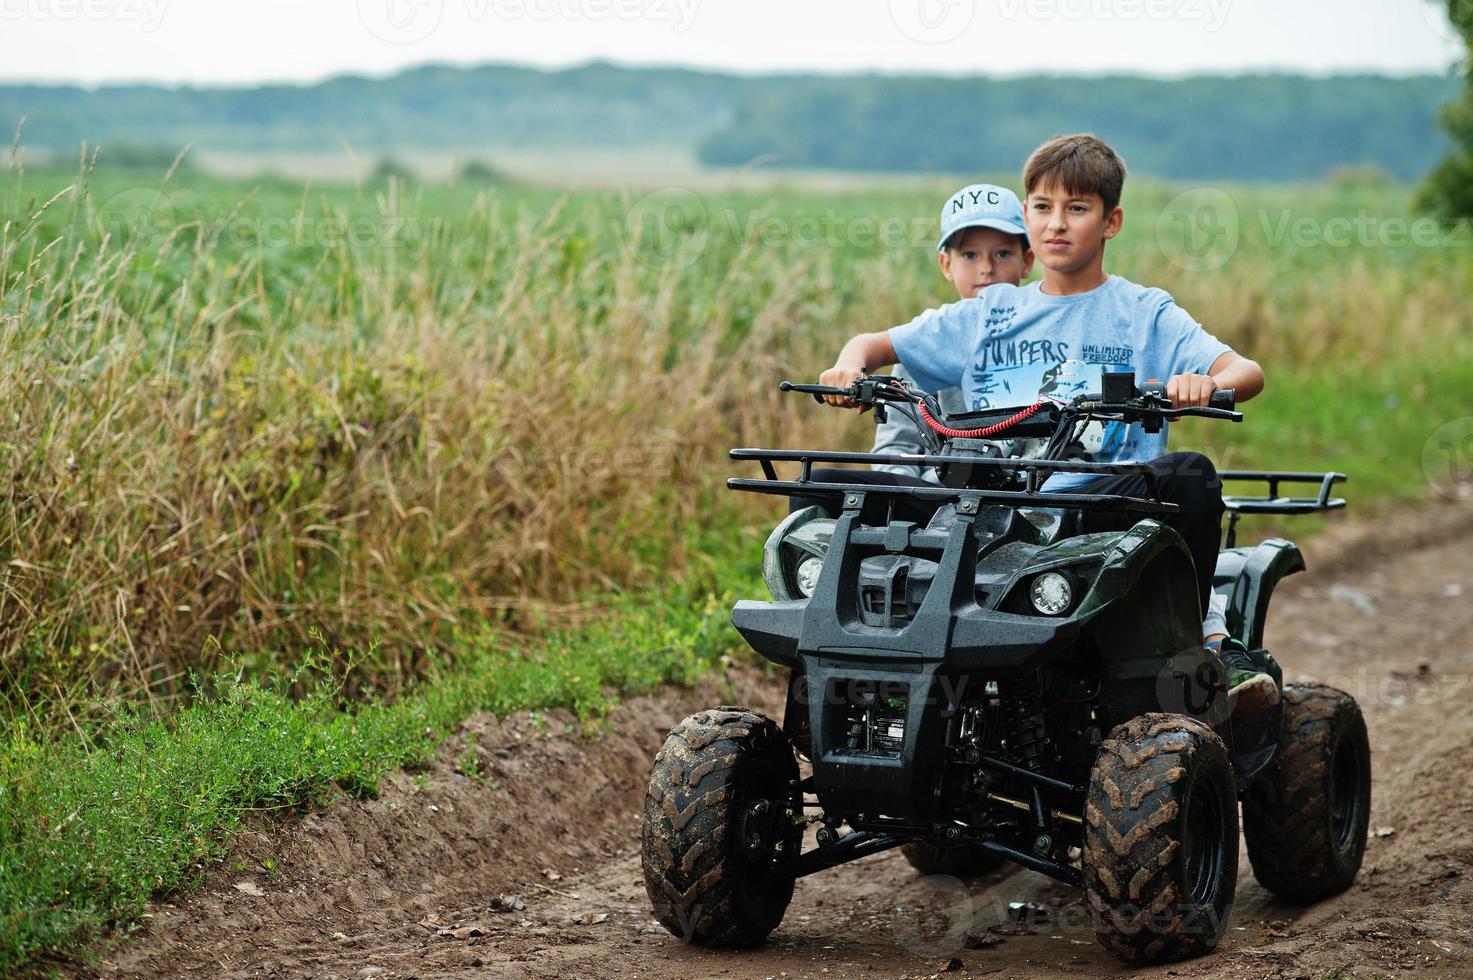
(1250, 691)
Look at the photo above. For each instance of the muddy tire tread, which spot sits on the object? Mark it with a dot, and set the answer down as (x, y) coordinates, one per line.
(1129, 843)
(691, 870)
(1285, 814)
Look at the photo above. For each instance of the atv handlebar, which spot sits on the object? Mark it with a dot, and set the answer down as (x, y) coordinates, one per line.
(1147, 400)
(866, 391)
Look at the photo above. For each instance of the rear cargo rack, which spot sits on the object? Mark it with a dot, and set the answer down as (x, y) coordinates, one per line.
(1035, 472)
(1272, 502)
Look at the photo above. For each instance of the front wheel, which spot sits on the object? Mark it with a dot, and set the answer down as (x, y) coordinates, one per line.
(717, 829)
(1305, 819)
(1161, 839)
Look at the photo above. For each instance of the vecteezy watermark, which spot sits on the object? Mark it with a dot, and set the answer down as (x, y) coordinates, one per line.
(672, 228)
(145, 218)
(148, 14)
(411, 21)
(829, 229)
(936, 916)
(1199, 230)
(1447, 459)
(1212, 14)
(1361, 230)
(360, 231)
(933, 21)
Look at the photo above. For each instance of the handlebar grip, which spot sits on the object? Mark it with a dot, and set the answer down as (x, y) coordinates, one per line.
(1224, 398)
(817, 391)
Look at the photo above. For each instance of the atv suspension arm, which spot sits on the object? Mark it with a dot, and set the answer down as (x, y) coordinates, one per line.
(863, 843)
(851, 847)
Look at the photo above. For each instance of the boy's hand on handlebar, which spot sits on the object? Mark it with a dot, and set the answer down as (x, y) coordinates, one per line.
(839, 377)
(1191, 390)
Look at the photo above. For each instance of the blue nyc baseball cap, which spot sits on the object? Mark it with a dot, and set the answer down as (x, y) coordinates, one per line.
(984, 206)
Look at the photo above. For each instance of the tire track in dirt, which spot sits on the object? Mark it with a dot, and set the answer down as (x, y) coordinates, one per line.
(402, 886)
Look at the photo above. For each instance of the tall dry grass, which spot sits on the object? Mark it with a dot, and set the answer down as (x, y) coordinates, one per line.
(245, 418)
(222, 443)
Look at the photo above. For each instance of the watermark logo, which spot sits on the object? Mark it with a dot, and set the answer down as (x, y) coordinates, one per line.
(1193, 682)
(933, 21)
(1445, 16)
(1288, 228)
(138, 214)
(1212, 14)
(401, 21)
(1447, 459)
(680, 14)
(667, 229)
(411, 21)
(148, 14)
(144, 218)
(1199, 230)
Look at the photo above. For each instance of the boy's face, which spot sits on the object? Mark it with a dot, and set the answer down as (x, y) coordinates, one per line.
(979, 257)
(1069, 231)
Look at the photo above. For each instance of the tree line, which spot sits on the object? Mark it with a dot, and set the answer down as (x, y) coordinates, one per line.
(1252, 127)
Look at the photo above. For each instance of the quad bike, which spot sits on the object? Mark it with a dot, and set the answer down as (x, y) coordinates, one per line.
(995, 686)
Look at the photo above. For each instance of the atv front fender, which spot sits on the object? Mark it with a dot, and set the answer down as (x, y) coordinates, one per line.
(1247, 577)
(1144, 604)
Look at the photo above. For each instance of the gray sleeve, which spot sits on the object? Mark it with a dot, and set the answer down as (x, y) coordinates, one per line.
(898, 434)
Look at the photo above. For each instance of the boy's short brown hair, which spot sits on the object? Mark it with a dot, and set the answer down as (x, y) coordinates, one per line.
(1081, 164)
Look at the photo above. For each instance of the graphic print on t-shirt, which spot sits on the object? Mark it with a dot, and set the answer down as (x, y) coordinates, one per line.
(1015, 374)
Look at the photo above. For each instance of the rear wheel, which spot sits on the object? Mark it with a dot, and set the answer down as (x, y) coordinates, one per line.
(1161, 839)
(1305, 819)
(717, 828)
(957, 861)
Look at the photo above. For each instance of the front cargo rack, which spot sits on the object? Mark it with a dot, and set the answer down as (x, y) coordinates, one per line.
(1035, 472)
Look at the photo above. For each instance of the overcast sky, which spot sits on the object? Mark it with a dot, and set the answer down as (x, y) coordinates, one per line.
(229, 41)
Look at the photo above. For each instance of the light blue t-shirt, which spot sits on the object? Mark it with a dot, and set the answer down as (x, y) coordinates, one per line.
(1010, 344)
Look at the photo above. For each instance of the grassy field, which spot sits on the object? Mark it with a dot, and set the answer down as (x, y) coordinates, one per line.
(298, 473)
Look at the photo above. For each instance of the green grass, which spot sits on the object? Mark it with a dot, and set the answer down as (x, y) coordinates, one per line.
(91, 829)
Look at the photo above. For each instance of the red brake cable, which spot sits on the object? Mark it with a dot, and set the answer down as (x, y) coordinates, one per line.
(986, 433)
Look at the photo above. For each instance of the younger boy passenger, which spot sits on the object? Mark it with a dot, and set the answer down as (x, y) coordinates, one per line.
(1000, 347)
(983, 241)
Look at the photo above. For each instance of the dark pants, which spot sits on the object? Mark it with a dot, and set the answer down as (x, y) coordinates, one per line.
(1188, 480)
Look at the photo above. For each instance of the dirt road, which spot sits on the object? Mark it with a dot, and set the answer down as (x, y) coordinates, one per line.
(534, 871)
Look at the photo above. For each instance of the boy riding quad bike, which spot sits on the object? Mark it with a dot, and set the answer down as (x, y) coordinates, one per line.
(993, 686)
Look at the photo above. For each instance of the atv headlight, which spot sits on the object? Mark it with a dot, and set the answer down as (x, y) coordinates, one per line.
(1051, 593)
(801, 535)
(808, 572)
